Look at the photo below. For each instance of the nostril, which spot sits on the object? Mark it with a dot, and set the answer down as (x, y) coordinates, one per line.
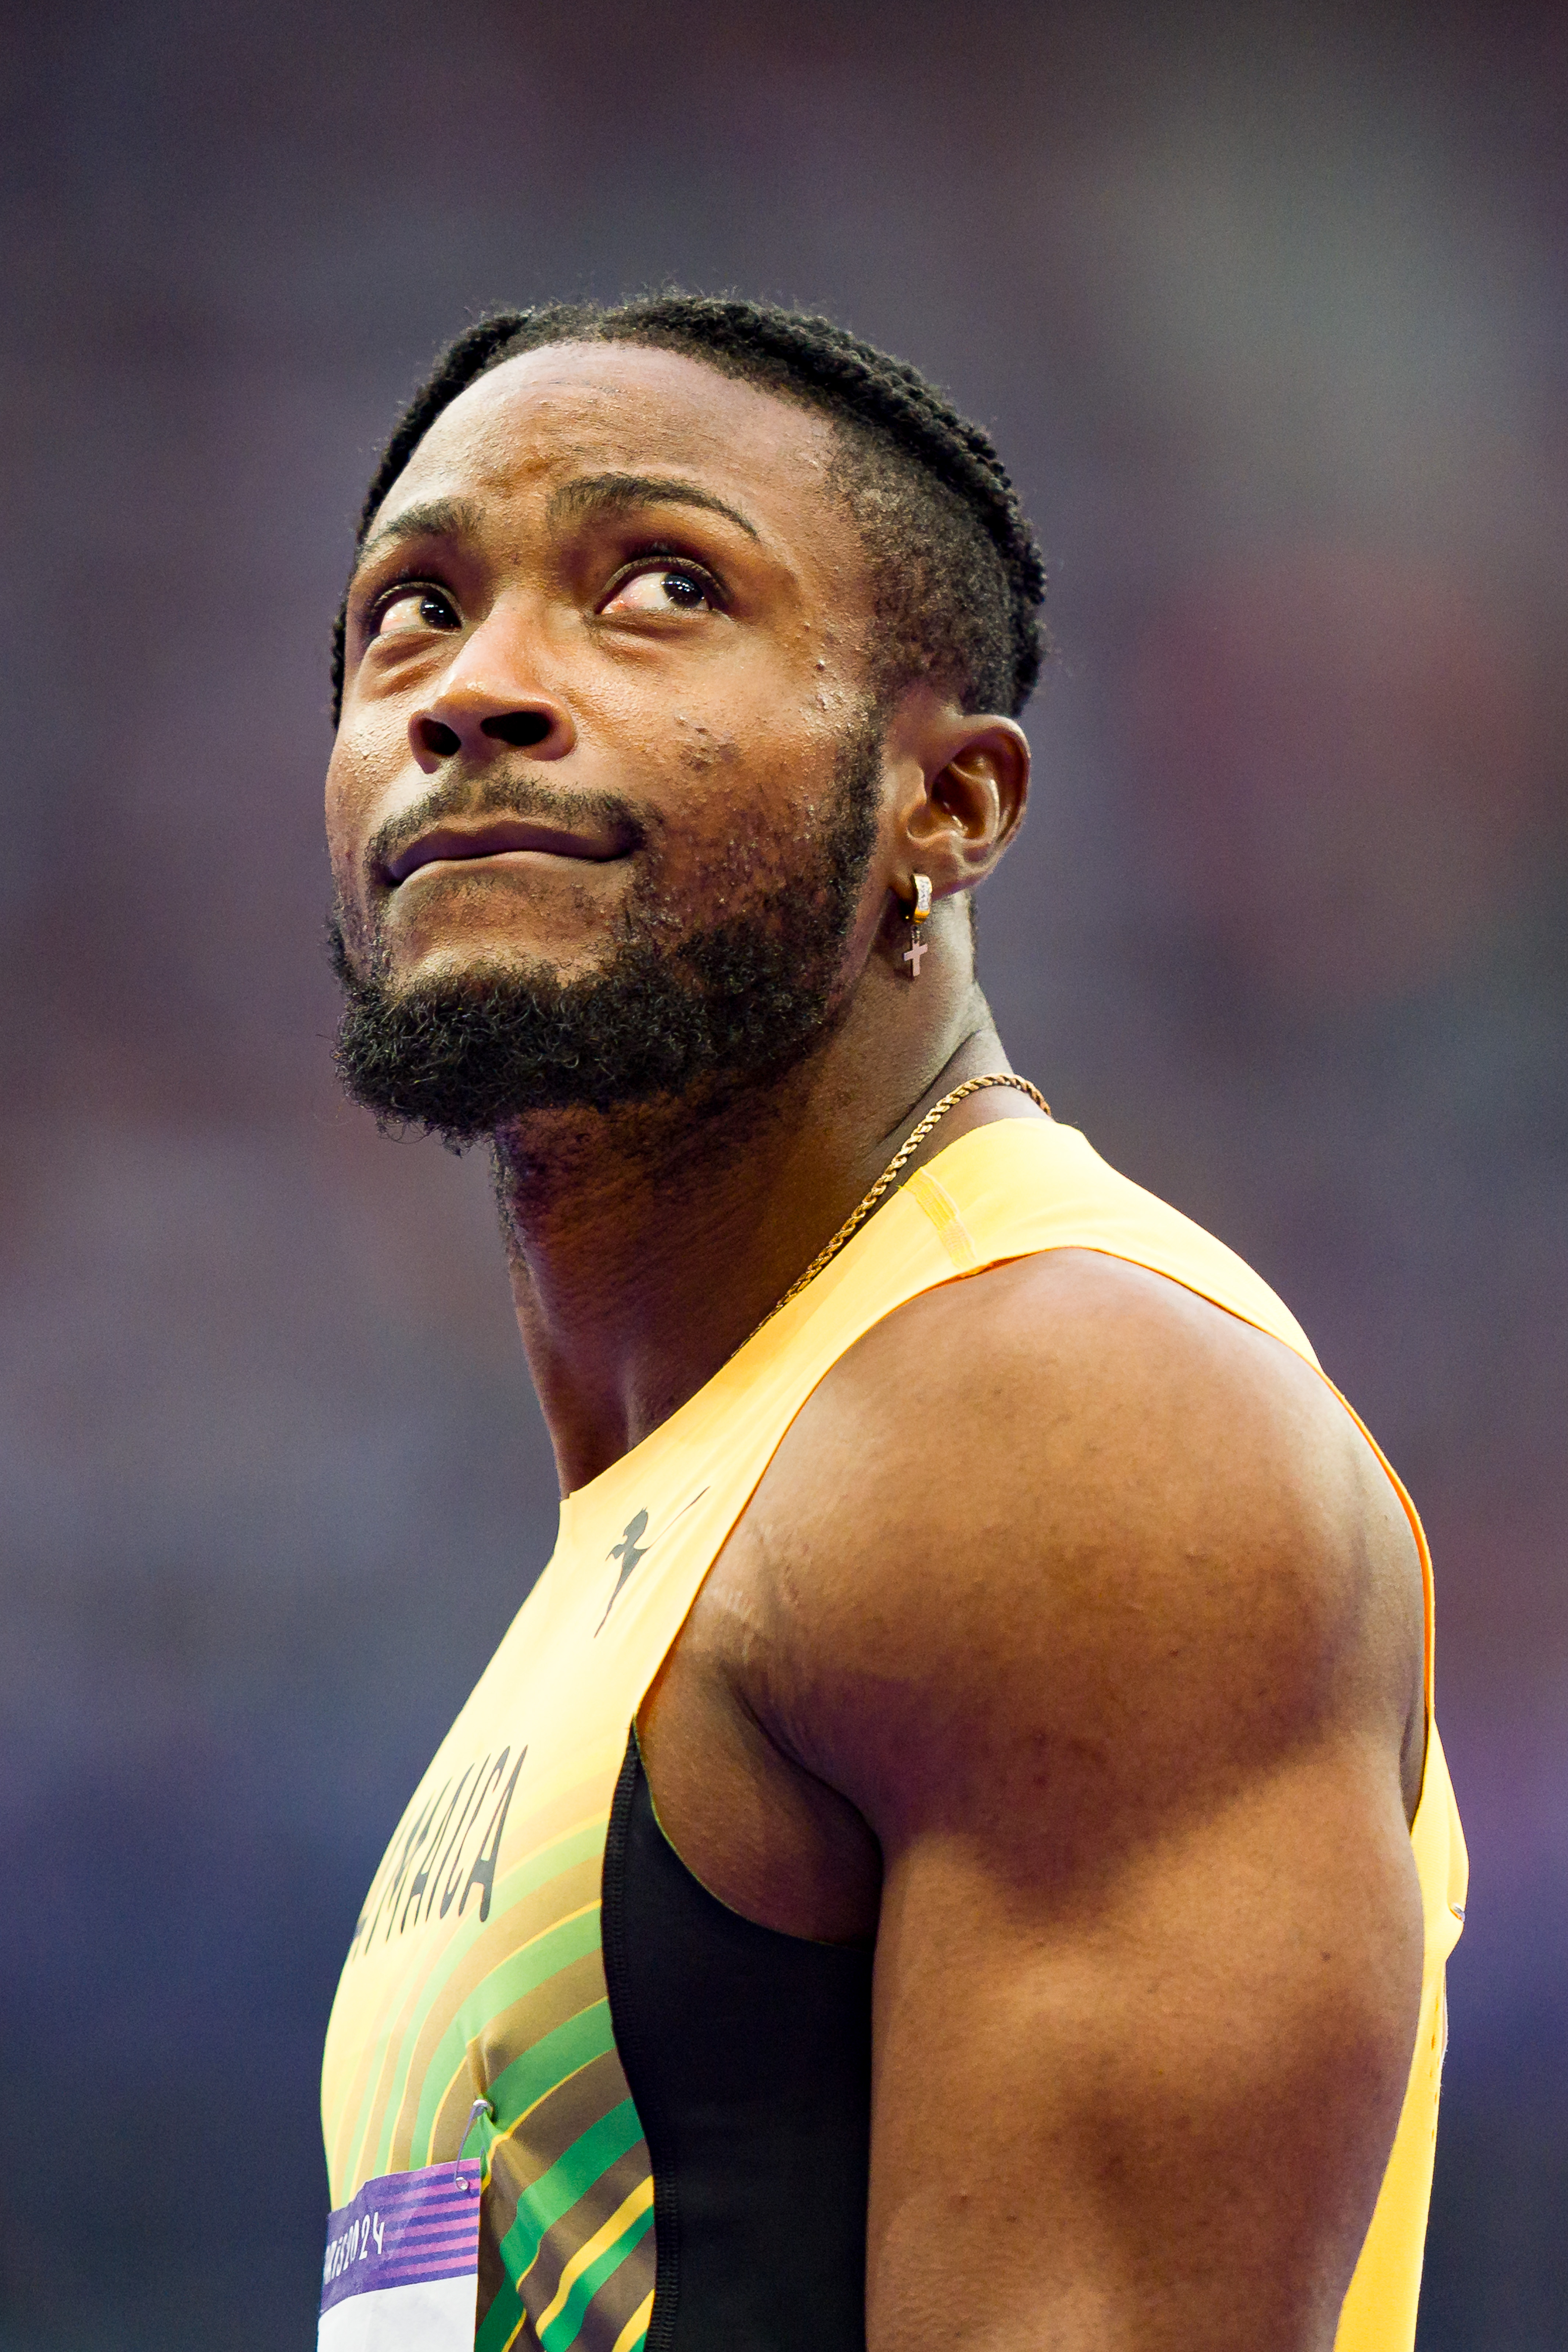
(441, 742)
(519, 728)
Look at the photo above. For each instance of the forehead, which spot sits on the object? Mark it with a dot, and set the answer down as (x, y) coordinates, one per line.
(571, 409)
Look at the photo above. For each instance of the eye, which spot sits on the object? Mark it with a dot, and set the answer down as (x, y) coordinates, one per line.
(412, 605)
(663, 587)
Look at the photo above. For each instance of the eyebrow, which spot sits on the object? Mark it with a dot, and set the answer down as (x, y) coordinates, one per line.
(590, 494)
(438, 519)
(608, 494)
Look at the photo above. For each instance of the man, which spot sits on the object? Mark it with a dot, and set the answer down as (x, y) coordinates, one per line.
(954, 1850)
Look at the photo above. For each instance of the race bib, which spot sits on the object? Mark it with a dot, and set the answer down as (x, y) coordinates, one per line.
(402, 2265)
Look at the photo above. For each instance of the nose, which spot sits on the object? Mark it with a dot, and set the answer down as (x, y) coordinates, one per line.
(488, 698)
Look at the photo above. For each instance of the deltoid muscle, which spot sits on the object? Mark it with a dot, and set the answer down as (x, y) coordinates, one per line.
(477, 1968)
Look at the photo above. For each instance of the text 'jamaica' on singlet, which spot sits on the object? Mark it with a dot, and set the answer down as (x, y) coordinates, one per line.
(680, 2100)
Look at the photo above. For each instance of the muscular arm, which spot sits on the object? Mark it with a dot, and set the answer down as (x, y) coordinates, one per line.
(1087, 1611)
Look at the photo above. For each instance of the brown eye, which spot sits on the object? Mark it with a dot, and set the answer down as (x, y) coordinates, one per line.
(663, 588)
(415, 606)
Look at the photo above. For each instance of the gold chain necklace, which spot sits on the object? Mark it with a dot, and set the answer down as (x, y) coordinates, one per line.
(857, 1217)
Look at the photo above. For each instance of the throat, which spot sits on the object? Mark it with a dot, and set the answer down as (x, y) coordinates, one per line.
(647, 1245)
(643, 1248)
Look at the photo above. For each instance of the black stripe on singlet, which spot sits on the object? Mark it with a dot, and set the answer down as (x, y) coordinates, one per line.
(749, 2057)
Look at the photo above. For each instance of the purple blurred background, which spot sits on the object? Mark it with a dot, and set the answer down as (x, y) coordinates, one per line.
(1269, 313)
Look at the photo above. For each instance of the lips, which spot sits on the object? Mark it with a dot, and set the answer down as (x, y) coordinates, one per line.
(500, 838)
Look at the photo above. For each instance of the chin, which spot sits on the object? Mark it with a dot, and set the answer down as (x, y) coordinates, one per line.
(479, 961)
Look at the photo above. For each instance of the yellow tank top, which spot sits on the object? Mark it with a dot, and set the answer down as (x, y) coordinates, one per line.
(476, 1969)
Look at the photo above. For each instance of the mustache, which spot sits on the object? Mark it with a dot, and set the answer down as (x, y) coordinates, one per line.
(511, 793)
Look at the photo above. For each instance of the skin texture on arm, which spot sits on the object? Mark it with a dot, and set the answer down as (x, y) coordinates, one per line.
(1074, 1640)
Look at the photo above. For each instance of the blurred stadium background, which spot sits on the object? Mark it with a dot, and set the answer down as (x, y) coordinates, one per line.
(1269, 311)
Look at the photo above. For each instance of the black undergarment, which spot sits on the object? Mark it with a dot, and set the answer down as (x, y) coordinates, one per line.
(748, 2054)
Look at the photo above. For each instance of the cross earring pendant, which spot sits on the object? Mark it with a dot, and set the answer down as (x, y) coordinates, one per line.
(913, 954)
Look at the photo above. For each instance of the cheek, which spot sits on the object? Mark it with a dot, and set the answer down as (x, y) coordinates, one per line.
(712, 757)
(733, 801)
(741, 812)
(779, 755)
(340, 824)
(360, 791)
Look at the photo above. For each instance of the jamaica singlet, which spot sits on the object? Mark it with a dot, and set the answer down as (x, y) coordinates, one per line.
(679, 2099)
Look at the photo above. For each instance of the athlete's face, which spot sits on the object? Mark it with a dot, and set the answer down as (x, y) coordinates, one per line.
(605, 644)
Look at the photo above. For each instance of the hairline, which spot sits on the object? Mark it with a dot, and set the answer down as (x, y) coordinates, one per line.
(843, 427)
(898, 443)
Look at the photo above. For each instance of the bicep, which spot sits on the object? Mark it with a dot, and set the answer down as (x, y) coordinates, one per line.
(1144, 2104)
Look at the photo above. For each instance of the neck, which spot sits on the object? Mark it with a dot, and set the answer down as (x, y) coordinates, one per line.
(646, 1245)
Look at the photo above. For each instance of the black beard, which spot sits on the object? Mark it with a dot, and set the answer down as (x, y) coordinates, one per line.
(723, 1009)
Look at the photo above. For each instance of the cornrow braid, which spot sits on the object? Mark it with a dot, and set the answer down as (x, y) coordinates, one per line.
(958, 572)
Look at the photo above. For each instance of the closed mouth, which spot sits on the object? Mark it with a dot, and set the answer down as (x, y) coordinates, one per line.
(498, 837)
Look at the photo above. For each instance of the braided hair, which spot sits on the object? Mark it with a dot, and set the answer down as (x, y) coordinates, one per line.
(958, 575)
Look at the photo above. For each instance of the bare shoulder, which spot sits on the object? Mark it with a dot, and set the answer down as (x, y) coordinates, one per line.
(1067, 1510)
(1072, 1644)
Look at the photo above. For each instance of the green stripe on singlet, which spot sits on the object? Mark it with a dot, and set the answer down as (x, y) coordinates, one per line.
(520, 1972)
(501, 2320)
(547, 2065)
(569, 2178)
(525, 1878)
(565, 2327)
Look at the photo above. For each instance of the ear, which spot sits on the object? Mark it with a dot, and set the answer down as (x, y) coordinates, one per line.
(960, 783)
